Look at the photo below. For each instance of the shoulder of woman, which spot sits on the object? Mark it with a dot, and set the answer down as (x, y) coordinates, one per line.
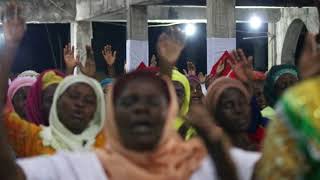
(100, 140)
(71, 166)
(245, 162)
(205, 171)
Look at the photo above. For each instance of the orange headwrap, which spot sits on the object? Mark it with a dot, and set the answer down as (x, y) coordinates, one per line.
(217, 88)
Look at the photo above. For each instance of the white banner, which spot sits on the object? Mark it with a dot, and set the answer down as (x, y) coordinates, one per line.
(137, 52)
(216, 47)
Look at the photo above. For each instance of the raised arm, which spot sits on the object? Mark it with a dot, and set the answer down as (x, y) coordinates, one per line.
(89, 68)
(243, 68)
(217, 144)
(169, 47)
(110, 58)
(14, 28)
(70, 61)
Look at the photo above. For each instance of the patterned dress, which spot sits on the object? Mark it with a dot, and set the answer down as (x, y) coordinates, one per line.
(292, 146)
(24, 137)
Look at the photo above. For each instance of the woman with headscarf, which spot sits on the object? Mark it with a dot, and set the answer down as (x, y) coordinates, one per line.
(240, 104)
(76, 118)
(292, 145)
(39, 99)
(228, 101)
(17, 95)
(141, 142)
(279, 78)
(258, 85)
(196, 90)
(182, 88)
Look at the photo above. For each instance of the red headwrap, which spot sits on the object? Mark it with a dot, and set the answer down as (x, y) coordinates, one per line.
(143, 67)
(34, 101)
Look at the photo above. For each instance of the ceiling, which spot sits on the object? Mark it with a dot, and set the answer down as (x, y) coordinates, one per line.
(298, 3)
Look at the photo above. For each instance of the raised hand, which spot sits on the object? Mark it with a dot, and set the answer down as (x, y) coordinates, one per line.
(153, 61)
(170, 45)
(199, 118)
(14, 29)
(191, 69)
(202, 78)
(14, 25)
(216, 142)
(220, 68)
(90, 65)
(69, 59)
(309, 64)
(242, 65)
(108, 55)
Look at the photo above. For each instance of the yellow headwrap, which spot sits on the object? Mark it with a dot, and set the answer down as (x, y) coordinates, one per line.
(182, 79)
(50, 78)
(179, 77)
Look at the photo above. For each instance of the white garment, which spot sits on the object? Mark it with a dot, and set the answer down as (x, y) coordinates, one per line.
(29, 73)
(204, 89)
(63, 166)
(57, 136)
(244, 160)
(86, 166)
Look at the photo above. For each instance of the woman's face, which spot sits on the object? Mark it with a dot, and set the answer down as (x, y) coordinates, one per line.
(196, 92)
(19, 101)
(47, 97)
(180, 92)
(284, 82)
(258, 88)
(140, 113)
(233, 111)
(76, 107)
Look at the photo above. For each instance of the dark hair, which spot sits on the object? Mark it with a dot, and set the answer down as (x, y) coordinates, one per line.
(122, 82)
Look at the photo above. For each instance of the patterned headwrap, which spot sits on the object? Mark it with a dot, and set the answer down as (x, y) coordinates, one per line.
(15, 85)
(272, 77)
(300, 111)
(29, 73)
(218, 87)
(34, 99)
(106, 82)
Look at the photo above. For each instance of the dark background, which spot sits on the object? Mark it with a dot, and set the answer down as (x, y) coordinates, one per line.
(42, 47)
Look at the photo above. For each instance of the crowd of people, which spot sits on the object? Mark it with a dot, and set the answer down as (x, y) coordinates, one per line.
(156, 122)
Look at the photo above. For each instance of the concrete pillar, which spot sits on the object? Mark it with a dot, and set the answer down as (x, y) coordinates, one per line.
(272, 45)
(221, 29)
(137, 37)
(81, 35)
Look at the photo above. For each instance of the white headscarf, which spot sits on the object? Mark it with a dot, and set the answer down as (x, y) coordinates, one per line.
(29, 73)
(58, 136)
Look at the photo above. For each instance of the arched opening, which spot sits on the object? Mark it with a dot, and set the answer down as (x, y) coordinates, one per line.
(293, 42)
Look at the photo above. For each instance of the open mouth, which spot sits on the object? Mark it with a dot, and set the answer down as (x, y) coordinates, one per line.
(196, 99)
(77, 115)
(141, 128)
